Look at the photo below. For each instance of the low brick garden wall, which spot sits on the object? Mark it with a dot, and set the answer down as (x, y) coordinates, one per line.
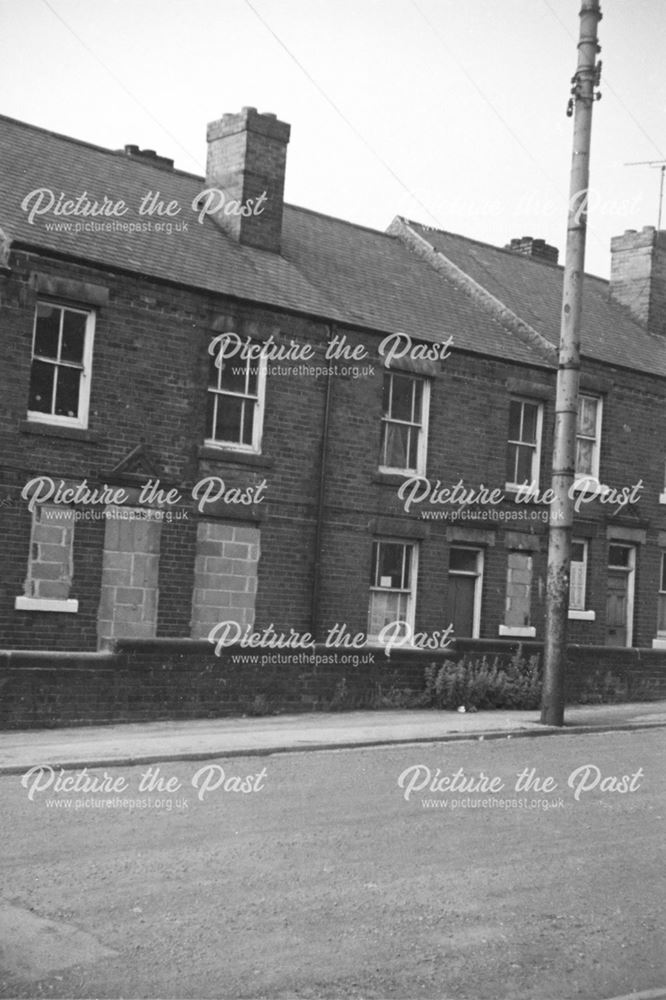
(153, 679)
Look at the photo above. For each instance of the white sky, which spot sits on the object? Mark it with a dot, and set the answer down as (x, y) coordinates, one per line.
(419, 94)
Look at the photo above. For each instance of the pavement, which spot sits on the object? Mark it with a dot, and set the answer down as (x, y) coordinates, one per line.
(203, 739)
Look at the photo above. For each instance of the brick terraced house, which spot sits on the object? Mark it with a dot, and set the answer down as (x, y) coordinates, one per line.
(217, 407)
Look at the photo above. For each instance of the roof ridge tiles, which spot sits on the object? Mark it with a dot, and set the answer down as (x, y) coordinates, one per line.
(511, 322)
(505, 251)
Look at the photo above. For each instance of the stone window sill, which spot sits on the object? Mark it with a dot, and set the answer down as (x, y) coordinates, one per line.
(581, 616)
(43, 604)
(511, 491)
(513, 631)
(392, 478)
(662, 497)
(57, 430)
(232, 457)
(659, 642)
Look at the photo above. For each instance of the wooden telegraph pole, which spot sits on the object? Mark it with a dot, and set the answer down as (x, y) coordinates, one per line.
(583, 96)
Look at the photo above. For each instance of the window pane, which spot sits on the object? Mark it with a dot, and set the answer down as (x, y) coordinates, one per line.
(618, 555)
(530, 411)
(394, 446)
(390, 567)
(584, 457)
(413, 447)
(41, 387)
(47, 329)
(253, 379)
(73, 336)
(403, 394)
(577, 551)
(518, 589)
(515, 410)
(386, 396)
(577, 587)
(417, 416)
(384, 609)
(587, 416)
(248, 421)
(663, 573)
(229, 417)
(463, 560)
(233, 381)
(524, 456)
(67, 392)
(661, 613)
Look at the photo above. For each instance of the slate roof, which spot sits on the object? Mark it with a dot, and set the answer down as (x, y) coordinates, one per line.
(328, 268)
(533, 290)
(202, 257)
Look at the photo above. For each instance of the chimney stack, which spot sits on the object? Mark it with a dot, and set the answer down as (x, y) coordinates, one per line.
(638, 276)
(149, 156)
(247, 155)
(538, 249)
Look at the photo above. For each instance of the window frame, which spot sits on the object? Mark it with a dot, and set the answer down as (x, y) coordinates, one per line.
(661, 594)
(254, 448)
(596, 451)
(536, 457)
(55, 419)
(413, 578)
(582, 613)
(526, 631)
(478, 586)
(422, 445)
(31, 599)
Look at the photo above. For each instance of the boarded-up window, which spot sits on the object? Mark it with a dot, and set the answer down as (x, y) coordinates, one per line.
(225, 576)
(50, 565)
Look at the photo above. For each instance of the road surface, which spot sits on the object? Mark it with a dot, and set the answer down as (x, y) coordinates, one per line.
(401, 872)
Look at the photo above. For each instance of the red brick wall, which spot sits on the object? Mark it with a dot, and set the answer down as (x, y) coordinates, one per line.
(149, 377)
(170, 679)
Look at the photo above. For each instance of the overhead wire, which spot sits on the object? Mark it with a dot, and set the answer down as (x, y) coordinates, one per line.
(336, 108)
(498, 114)
(329, 100)
(555, 184)
(608, 87)
(122, 85)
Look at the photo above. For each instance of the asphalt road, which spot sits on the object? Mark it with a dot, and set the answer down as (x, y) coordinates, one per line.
(326, 875)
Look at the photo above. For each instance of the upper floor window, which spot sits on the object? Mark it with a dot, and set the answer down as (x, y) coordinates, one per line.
(404, 424)
(61, 365)
(524, 445)
(235, 405)
(588, 436)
